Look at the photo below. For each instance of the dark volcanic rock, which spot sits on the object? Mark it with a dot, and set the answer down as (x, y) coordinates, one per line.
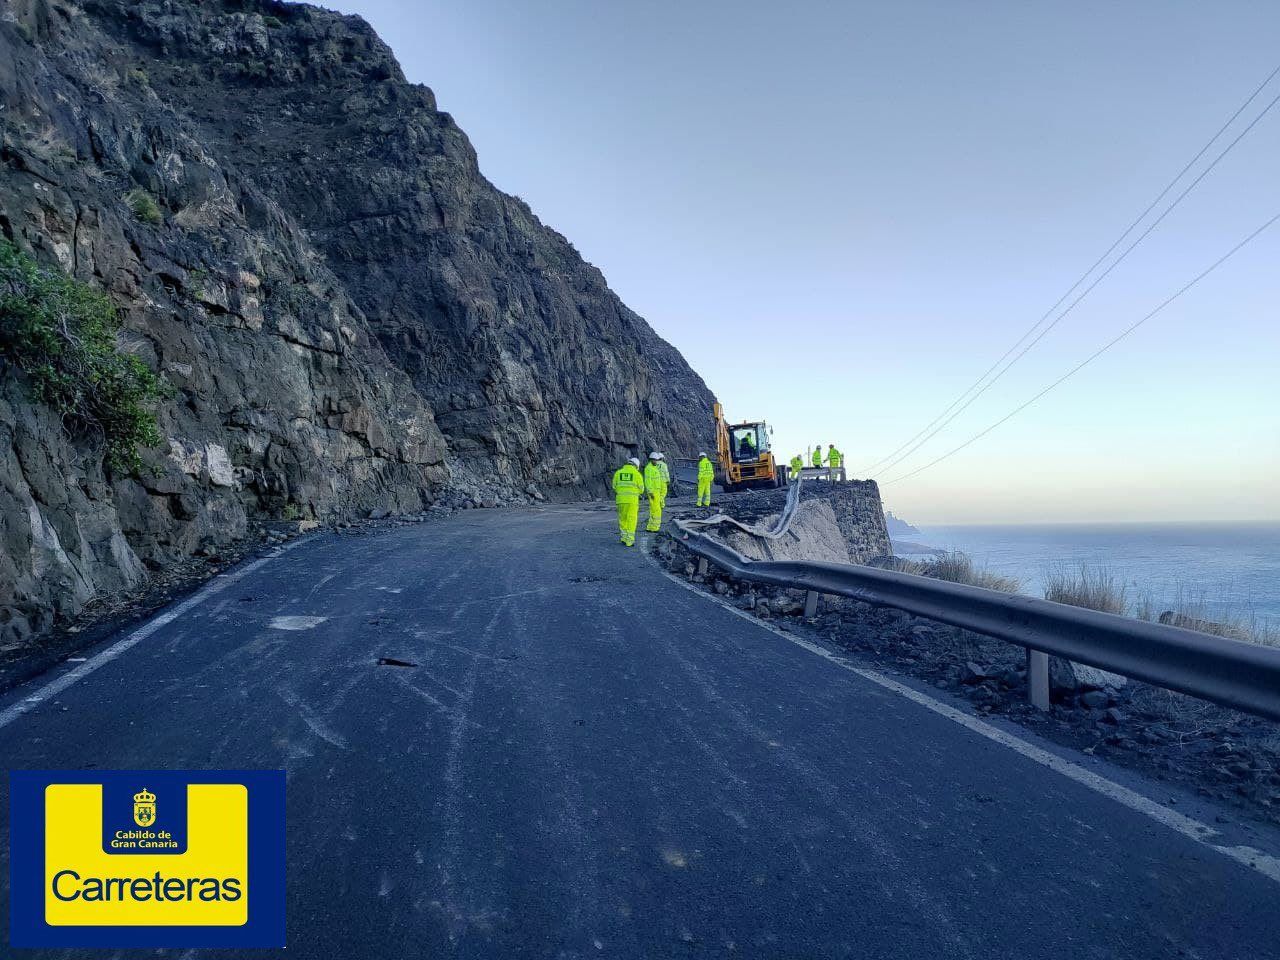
(354, 320)
(536, 372)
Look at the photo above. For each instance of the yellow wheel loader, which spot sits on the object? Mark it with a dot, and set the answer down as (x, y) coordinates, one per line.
(745, 459)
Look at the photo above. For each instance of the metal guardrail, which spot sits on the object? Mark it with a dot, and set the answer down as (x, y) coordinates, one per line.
(833, 474)
(684, 470)
(1233, 673)
(782, 525)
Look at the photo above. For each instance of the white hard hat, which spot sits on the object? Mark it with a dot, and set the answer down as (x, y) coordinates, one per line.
(634, 461)
(655, 455)
(703, 453)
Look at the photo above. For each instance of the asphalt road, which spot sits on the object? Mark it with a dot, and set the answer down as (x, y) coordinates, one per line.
(590, 760)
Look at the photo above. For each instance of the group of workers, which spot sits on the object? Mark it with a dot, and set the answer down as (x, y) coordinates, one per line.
(835, 459)
(630, 484)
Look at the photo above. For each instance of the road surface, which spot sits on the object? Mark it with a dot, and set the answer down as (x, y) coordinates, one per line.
(590, 760)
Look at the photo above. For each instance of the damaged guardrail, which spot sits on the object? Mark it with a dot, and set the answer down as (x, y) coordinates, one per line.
(1232, 673)
(782, 525)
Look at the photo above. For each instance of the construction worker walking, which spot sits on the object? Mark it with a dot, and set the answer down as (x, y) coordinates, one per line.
(817, 456)
(628, 484)
(706, 473)
(656, 479)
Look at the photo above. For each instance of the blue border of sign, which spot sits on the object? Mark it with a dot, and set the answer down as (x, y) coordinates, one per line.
(266, 925)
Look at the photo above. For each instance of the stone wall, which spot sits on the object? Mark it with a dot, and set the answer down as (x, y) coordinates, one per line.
(860, 516)
(839, 522)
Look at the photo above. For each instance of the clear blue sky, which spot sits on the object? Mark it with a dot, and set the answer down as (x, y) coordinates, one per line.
(842, 213)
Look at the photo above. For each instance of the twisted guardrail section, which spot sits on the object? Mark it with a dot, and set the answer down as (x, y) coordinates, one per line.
(1232, 673)
(779, 528)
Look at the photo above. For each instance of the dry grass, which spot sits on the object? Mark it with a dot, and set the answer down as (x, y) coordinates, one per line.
(1193, 611)
(1097, 587)
(957, 567)
(1091, 586)
(1184, 716)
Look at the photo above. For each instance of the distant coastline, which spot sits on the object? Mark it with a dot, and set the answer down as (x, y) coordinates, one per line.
(899, 527)
(913, 548)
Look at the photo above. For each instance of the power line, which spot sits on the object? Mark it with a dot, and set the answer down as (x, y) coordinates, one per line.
(1089, 289)
(1099, 352)
(1120, 239)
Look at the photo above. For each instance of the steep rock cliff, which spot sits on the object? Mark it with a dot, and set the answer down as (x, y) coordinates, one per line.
(351, 316)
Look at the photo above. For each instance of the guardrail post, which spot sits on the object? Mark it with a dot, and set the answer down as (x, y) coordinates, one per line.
(1038, 678)
(810, 604)
(702, 566)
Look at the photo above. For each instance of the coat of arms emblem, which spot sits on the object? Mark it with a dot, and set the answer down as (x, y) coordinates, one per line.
(144, 808)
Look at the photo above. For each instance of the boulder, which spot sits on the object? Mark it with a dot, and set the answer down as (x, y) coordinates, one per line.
(1067, 676)
(973, 673)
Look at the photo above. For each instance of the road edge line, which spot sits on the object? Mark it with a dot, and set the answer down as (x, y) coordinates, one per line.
(1189, 827)
(27, 702)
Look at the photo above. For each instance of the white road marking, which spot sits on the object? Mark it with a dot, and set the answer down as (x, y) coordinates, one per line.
(295, 623)
(1201, 833)
(216, 586)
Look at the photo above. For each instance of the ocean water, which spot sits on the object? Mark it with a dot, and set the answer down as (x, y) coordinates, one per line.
(1221, 570)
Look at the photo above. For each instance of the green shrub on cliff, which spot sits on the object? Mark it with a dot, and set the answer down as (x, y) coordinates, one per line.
(62, 334)
(144, 206)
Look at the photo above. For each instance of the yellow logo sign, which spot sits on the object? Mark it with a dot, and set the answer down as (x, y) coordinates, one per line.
(97, 862)
(87, 885)
(144, 808)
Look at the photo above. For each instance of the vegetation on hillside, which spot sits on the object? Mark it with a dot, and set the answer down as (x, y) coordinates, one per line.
(62, 334)
(1092, 586)
(958, 567)
(144, 206)
(1097, 587)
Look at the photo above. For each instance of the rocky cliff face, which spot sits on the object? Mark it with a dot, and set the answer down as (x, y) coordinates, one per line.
(351, 316)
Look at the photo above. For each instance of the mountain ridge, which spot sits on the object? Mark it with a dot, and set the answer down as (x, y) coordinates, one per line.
(352, 318)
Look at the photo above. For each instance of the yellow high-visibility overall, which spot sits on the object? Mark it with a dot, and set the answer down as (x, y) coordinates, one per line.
(655, 485)
(706, 473)
(627, 487)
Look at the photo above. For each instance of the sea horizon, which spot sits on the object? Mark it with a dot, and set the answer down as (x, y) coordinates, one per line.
(1212, 569)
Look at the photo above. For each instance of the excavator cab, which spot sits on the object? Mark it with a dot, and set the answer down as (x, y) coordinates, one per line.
(747, 441)
(744, 454)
